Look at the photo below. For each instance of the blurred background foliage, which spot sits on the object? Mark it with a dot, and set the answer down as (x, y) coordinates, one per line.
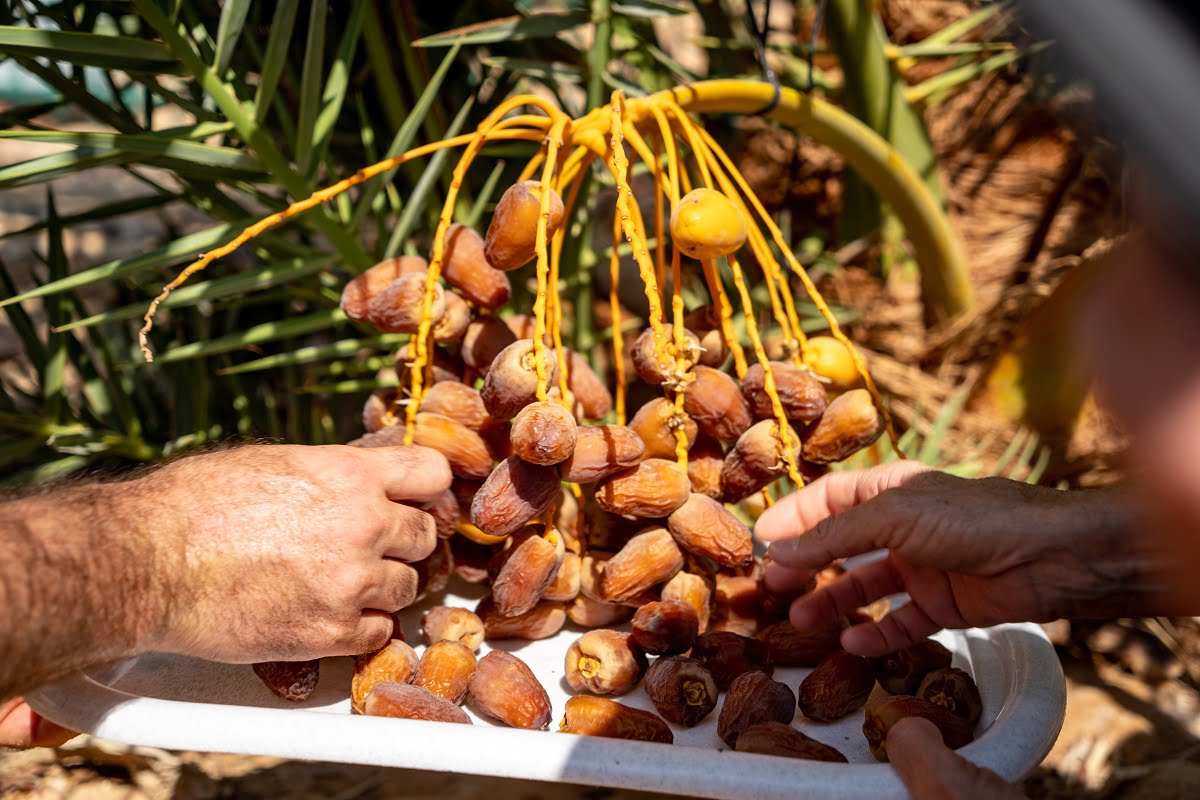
(215, 113)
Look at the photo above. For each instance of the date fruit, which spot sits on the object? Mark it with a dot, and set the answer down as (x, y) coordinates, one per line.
(656, 371)
(706, 528)
(753, 698)
(595, 401)
(778, 739)
(486, 338)
(600, 451)
(454, 625)
(405, 701)
(728, 656)
(902, 672)
(446, 514)
(604, 662)
(466, 268)
(511, 381)
(956, 731)
(652, 489)
(445, 669)
(458, 402)
(540, 622)
(705, 322)
(398, 307)
(755, 460)
(565, 586)
(357, 296)
(378, 411)
(544, 433)
(656, 423)
(693, 590)
(598, 716)
(505, 688)
(791, 647)
(525, 570)
(800, 393)
(646, 560)
(512, 234)
(470, 558)
(705, 460)
(850, 423)
(453, 324)
(512, 495)
(840, 684)
(716, 402)
(954, 690)
(682, 689)
(665, 627)
(289, 680)
(395, 662)
(463, 448)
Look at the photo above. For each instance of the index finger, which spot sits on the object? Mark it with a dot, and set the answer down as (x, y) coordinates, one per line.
(409, 474)
(828, 495)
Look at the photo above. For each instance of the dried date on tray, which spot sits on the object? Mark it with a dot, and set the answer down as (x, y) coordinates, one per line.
(599, 716)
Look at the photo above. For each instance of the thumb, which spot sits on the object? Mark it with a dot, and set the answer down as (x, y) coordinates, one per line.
(929, 769)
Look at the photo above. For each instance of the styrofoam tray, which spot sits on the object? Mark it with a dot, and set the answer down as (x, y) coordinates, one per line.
(183, 703)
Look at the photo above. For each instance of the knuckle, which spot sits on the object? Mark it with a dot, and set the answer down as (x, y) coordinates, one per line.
(419, 530)
(404, 588)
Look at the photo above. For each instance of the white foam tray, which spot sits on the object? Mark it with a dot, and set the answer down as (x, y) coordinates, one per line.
(183, 703)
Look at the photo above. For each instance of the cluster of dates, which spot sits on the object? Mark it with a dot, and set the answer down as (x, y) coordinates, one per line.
(566, 519)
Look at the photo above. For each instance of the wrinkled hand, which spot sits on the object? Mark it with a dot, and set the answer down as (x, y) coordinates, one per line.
(290, 553)
(21, 726)
(968, 552)
(930, 770)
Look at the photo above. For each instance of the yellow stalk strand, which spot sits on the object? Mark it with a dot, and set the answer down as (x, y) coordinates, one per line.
(689, 133)
(767, 499)
(629, 219)
(553, 143)
(681, 442)
(835, 330)
(556, 246)
(433, 273)
(618, 340)
(660, 261)
(299, 207)
(668, 138)
(531, 167)
(768, 374)
(717, 292)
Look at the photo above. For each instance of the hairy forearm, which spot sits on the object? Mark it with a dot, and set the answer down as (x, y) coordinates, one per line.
(80, 582)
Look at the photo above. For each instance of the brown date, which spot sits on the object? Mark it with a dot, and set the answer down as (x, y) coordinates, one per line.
(289, 680)
(357, 296)
(665, 627)
(457, 401)
(505, 688)
(593, 396)
(512, 234)
(604, 662)
(728, 655)
(395, 662)
(463, 448)
(682, 689)
(405, 701)
(753, 698)
(600, 451)
(705, 461)
(540, 622)
(800, 394)
(902, 672)
(954, 690)
(850, 423)
(511, 381)
(598, 716)
(588, 612)
(485, 338)
(652, 489)
(755, 460)
(791, 647)
(646, 560)
(445, 669)
(841, 683)
(693, 590)
(706, 528)
(655, 370)
(956, 731)
(512, 495)
(544, 433)
(565, 586)
(716, 402)
(778, 739)
(466, 268)
(656, 423)
(453, 324)
(399, 306)
(452, 624)
(525, 569)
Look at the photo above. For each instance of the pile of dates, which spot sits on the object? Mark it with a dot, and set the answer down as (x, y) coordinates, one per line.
(567, 519)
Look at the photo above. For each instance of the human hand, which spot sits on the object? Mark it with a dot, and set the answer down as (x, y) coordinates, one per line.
(21, 726)
(968, 552)
(929, 769)
(290, 553)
